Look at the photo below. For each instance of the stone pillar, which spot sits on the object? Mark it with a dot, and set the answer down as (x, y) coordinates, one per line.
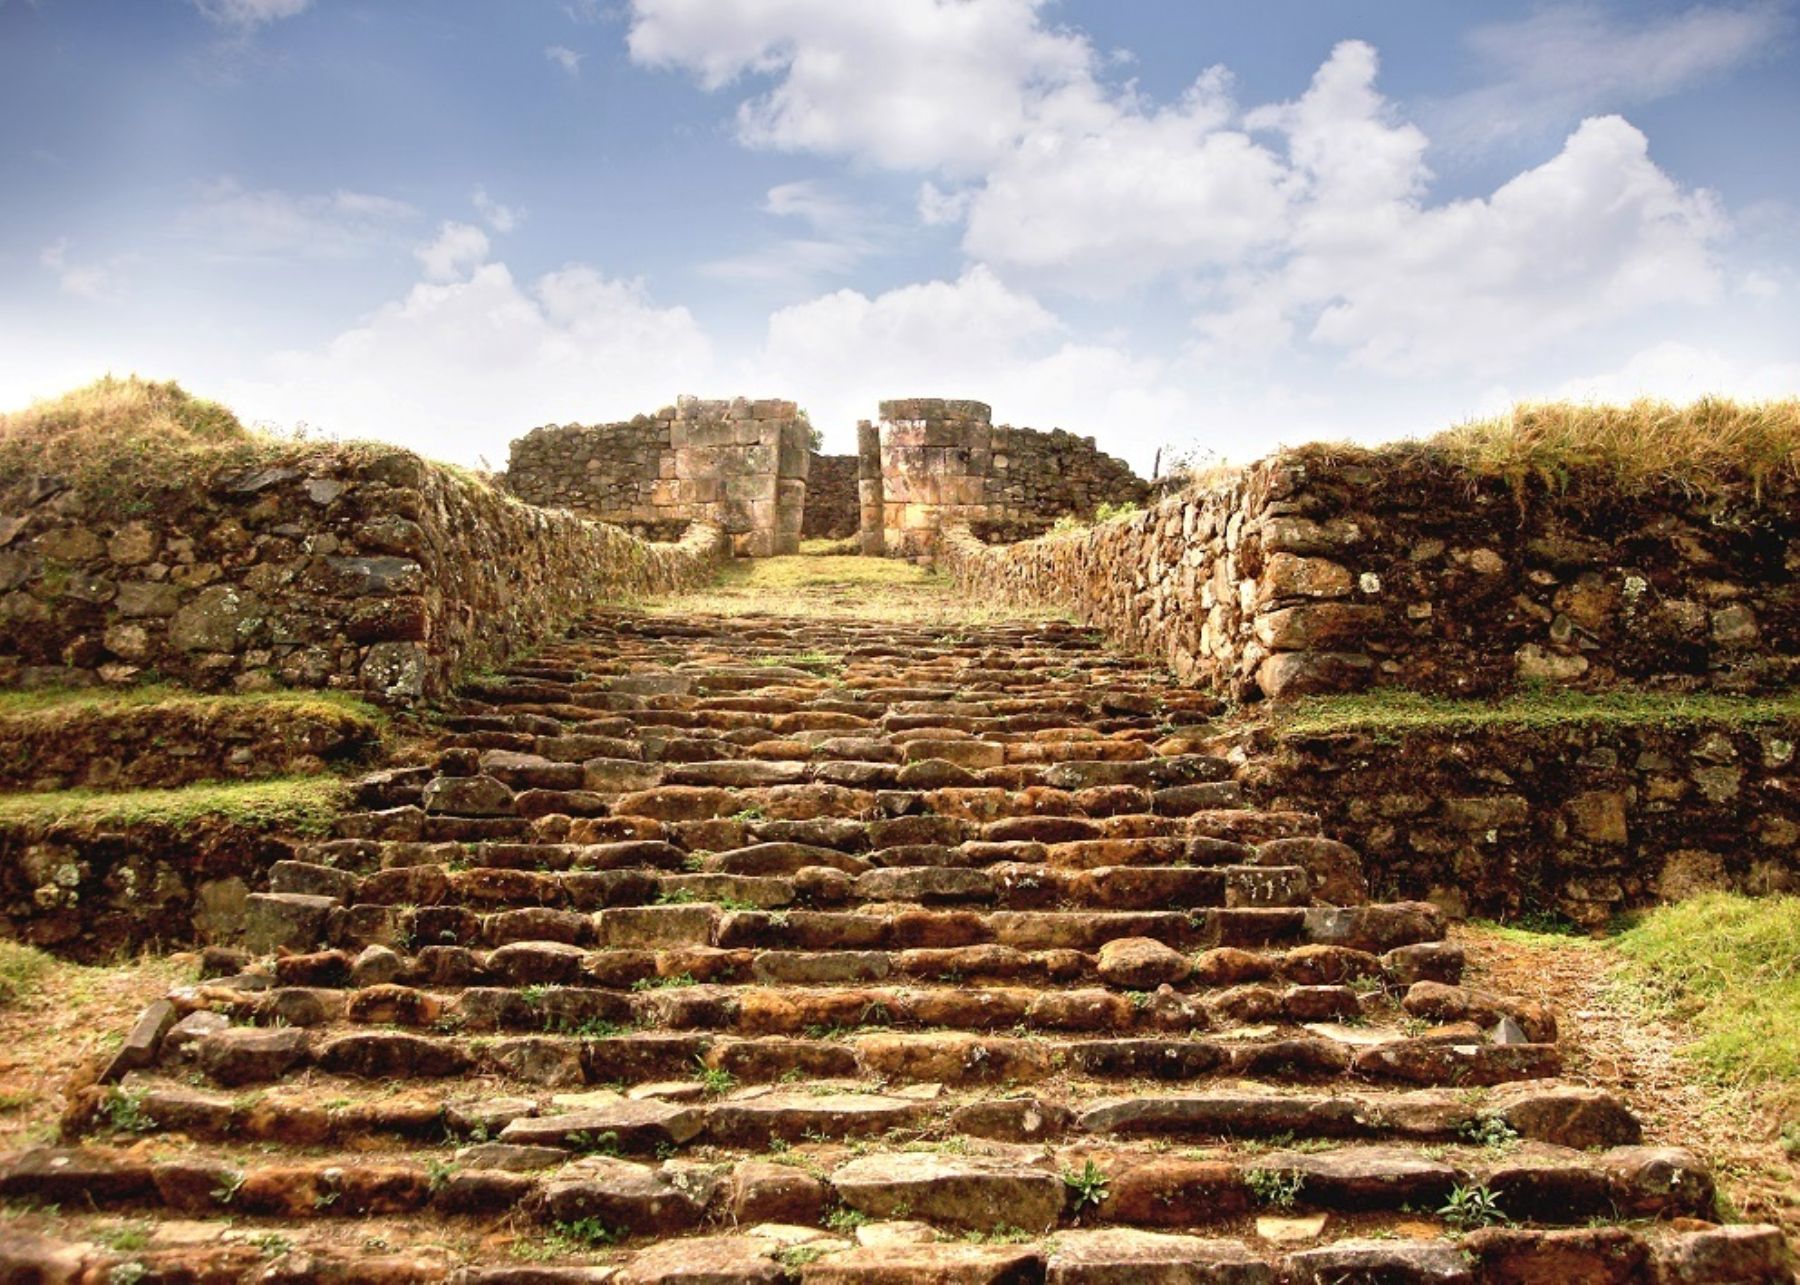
(868, 489)
(935, 459)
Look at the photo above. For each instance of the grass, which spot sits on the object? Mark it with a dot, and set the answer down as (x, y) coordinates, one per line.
(831, 586)
(1645, 445)
(1391, 711)
(303, 805)
(1728, 967)
(106, 700)
(22, 972)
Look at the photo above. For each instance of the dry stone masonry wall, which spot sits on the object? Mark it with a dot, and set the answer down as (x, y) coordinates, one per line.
(739, 464)
(944, 463)
(354, 568)
(1312, 572)
(1582, 820)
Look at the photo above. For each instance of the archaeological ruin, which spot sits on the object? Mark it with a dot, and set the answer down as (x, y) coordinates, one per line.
(565, 878)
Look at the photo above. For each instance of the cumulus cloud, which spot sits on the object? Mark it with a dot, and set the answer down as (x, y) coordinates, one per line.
(501, 218)
(236, 222)
(1368, 267)
(245, 15)
(457, 250)
(907, 83)
(971, 337)
(457, 369)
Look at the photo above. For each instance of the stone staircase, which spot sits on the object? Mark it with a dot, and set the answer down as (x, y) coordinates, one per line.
(764, 949)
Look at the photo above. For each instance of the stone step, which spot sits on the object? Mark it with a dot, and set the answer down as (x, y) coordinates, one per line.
(961, 1188)
(1427, 972)
(331, 1111)
(297, 922)
(907, 1253)
(240, 1055)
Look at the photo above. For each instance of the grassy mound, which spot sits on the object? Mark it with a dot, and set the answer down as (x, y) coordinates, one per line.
(1646, 445)
(119, 436)
(1729, 967)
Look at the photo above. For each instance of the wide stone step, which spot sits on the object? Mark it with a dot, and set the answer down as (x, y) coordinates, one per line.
(600, 1052)
(954, 1188)
(884, 1253)
(661, 1115)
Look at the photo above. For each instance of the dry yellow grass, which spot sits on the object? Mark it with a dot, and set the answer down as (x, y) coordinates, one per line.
(115, 435)
(1648, 444)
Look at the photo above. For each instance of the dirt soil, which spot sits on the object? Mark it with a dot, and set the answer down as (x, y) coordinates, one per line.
(61, 1031)
(1610, 1041)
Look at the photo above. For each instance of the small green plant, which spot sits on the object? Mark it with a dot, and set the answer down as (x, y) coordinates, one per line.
(1107, 511)
(1790, 1140)
(437, 1173)
(1490, 1131)
(271, 1244)
(1472, 1207)
(124, 1111)
(1277, 1188)
(1086, 1185)
(664, 983)
(748, 814)
(228, 1188)
(794, 1257)
(590, 1233)
(676, 897)
(127, 1239)
(716, 1080)
(127, 1273)
(845, 1219)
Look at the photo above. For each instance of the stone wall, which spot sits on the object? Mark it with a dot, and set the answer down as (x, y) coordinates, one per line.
(944, 463)
(739, 464)
(833, 510)
(1315, 571)
(1582, 820)
(361, 568)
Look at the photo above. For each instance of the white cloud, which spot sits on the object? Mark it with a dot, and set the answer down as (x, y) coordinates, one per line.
(83, 280)
(566, 58)
(973, 337)
(907, 83)
(456, 251)
(843, 235)
(1568, 60)
(1682, 372)
(236, 222)
(1112, 195)
(501, 218)
(458, 369)
(1368, 267)
(243, 15)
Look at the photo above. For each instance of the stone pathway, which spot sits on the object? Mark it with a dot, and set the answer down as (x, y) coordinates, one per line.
(761, 948)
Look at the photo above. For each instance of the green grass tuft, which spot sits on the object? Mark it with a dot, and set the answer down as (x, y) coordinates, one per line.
(1395, 711)
(302, 805)
(1729, 967)
(108, 700)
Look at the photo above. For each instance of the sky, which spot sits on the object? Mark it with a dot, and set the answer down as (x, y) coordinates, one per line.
(1204, 229)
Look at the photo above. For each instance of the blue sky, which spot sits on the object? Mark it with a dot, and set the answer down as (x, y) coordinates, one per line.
(1208, 227)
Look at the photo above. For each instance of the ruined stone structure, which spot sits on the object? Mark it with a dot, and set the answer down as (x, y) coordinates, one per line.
(739, 464)
(944, 463)
(745, 465)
